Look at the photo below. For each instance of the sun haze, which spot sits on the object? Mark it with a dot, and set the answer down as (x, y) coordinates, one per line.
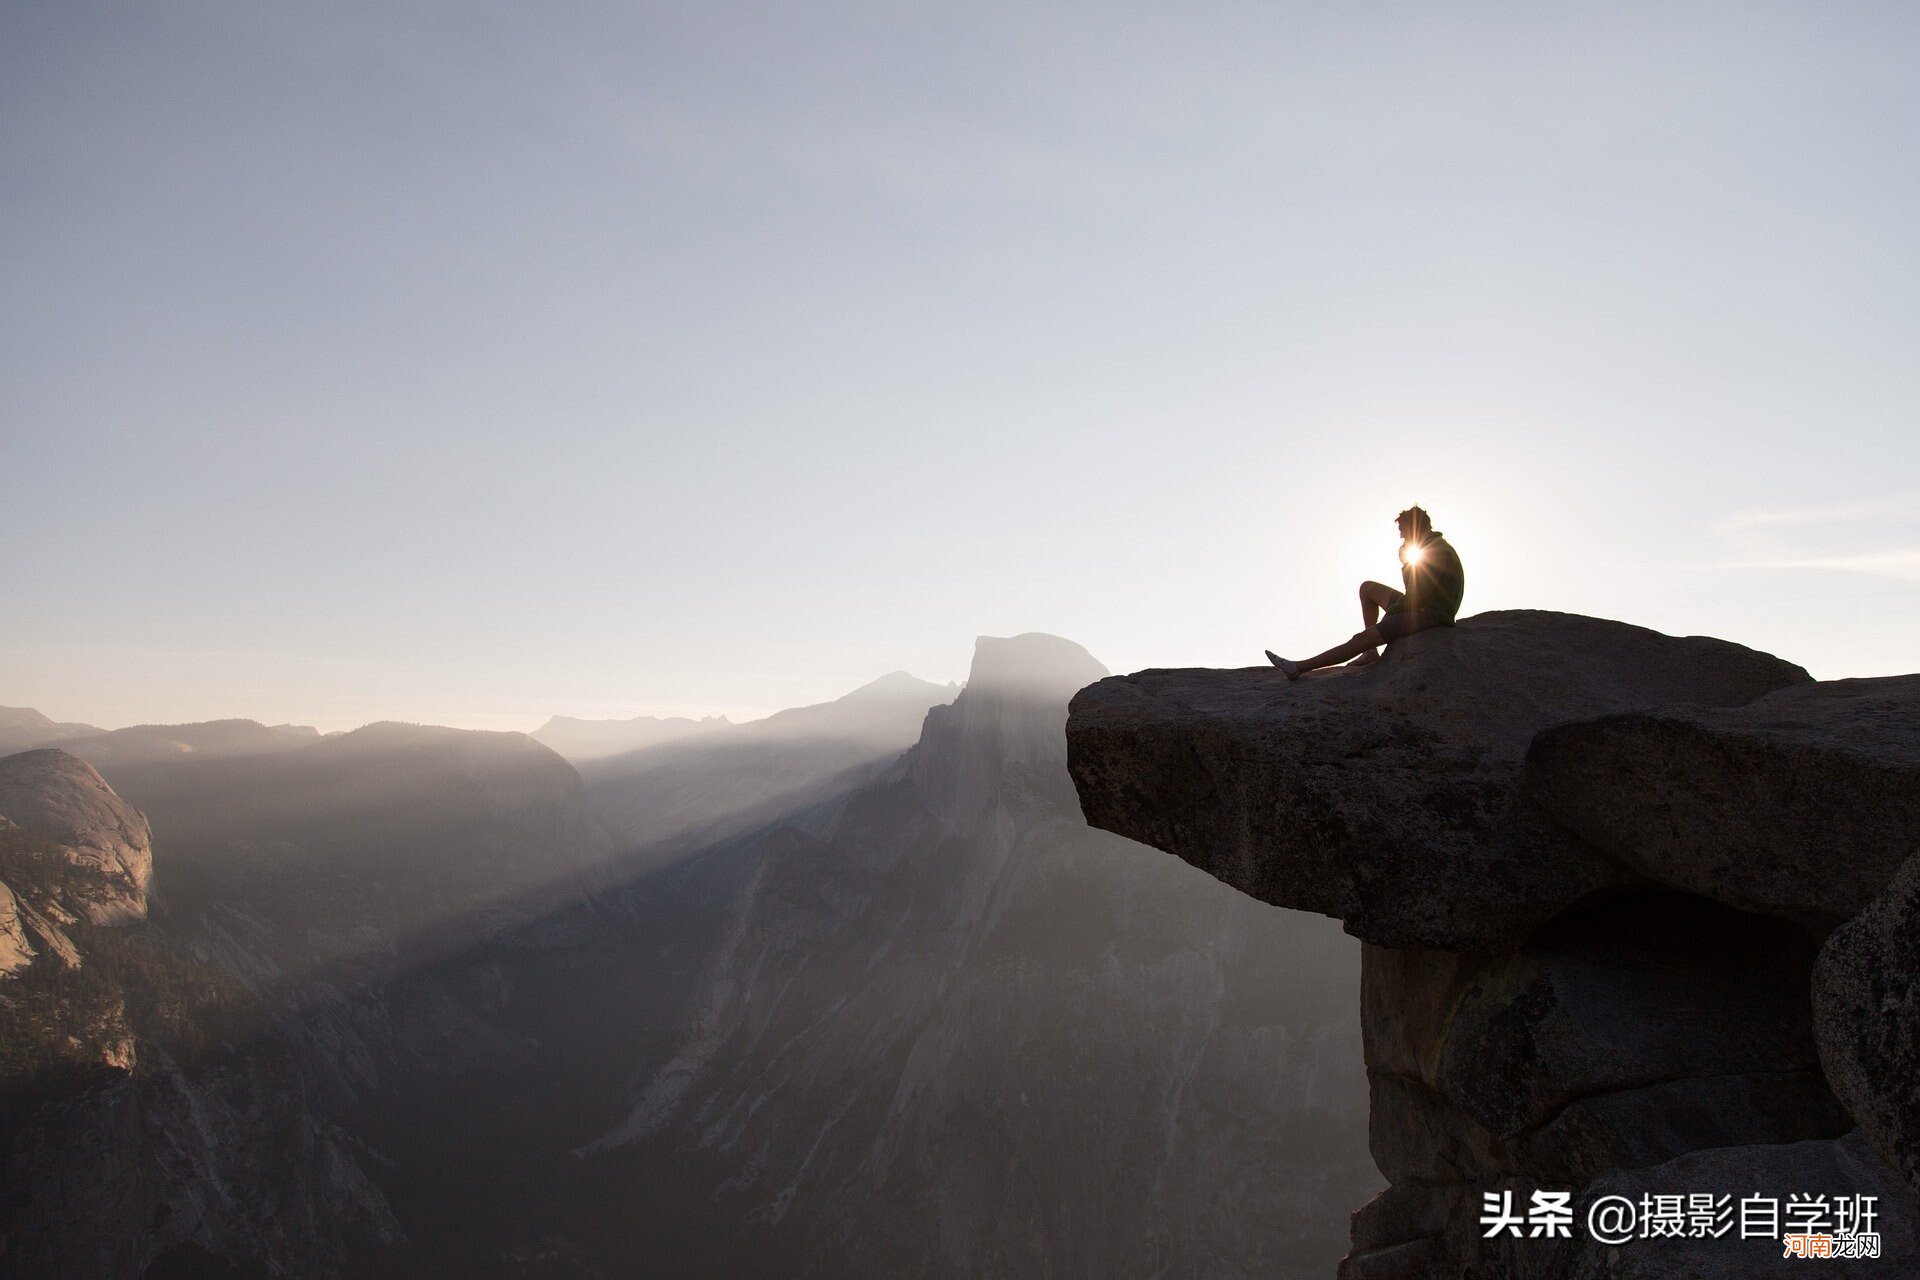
(478, 364)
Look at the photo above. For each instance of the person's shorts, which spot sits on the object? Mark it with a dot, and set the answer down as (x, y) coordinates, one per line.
(1398, 626)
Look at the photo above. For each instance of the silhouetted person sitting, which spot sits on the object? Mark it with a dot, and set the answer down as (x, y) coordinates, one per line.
(1434, 580)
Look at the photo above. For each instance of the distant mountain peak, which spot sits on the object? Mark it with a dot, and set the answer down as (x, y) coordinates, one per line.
(897, 685)
(1032, 663)
(23, 727)
(1010, 717)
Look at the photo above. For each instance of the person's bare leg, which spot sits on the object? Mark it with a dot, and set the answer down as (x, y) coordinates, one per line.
(1374, 597)
(1363, 642)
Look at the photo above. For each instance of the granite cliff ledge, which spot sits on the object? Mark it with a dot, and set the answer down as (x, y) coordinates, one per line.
(1595, 867)
(1390, 796)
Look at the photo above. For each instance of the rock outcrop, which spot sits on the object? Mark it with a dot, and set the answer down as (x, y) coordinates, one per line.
(62, 798)
(16, 950)
(1594, 865)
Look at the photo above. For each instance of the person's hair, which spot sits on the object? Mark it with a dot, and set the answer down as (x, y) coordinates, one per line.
(1417, 517)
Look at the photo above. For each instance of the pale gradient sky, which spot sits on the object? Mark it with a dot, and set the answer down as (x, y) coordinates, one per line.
(469, 363)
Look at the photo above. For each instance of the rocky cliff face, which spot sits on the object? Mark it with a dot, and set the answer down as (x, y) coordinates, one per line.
(1594, 867)
(950, 1030)
(105, 842)
(75, 863)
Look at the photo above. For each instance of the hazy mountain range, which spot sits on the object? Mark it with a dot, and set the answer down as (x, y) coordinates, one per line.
(579, 740)
(401, 1006)
(691, 792)
(23, 727)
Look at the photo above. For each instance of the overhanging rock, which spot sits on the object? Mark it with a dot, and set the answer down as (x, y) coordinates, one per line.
(1390, 796)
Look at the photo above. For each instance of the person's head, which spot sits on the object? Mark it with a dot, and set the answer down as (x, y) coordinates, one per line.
(1415, 524)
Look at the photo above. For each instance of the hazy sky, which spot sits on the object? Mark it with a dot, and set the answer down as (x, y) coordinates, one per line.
(468, 363)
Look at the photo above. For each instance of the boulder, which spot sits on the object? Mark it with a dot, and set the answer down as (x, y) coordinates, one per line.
(1390, 796)
(1866, 997)
(1625, 1033)
(104, 840)
(1801, 803)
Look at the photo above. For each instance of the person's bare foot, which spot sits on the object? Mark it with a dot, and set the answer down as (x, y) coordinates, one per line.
(1366, 659)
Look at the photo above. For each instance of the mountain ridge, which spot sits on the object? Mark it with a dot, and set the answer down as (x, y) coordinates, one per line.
(950, 1028)
(663, 798)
